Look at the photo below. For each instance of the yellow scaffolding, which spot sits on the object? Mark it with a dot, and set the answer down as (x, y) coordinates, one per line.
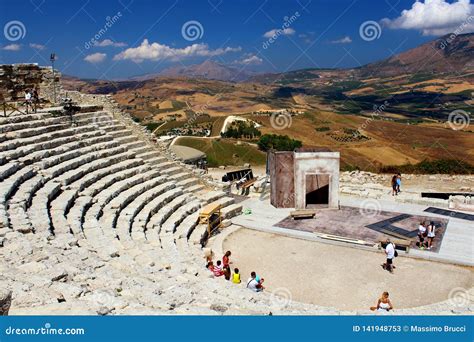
(206, 214)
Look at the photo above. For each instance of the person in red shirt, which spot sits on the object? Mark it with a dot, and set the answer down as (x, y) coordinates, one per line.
(216, 269)
(226, 259)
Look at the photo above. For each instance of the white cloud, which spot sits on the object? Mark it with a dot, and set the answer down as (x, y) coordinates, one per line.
(109, 42)
(344, 40)
(250, 60)
(308, 38)
(95, 57)
(435, 17)
(12, 47)
(277, 32)
(156, 51)
(37, 46)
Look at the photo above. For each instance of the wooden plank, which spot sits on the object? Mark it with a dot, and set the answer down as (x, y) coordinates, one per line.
(302, 213)
(342, 239)
(209, 209)
(248, 183)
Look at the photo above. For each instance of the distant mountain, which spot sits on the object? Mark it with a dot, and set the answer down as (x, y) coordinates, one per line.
(442, 55)
(209, 70)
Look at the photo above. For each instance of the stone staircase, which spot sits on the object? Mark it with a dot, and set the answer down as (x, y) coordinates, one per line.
(93, 220)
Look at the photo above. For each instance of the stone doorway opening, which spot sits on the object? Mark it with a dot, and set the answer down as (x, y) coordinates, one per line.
(317, 191)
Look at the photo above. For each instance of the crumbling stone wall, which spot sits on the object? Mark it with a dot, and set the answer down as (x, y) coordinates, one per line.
(16, 78)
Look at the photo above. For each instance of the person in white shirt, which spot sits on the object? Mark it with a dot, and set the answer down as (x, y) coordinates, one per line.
(384, 304)
(421, 235)
(28, 100)
(390, 252)
(253, 284)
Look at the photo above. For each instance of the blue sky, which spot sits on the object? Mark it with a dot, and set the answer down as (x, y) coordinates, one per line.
(114, 39)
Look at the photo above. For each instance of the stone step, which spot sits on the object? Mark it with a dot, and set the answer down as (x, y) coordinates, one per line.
(18, 143)
(128, 214)
(151, 208)
(231, 211)
(188, 182)
(50, 144)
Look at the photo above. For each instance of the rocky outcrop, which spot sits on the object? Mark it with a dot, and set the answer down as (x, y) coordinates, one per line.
(5, 301)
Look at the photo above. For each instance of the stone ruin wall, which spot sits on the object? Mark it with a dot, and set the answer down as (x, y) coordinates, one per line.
(16, 78)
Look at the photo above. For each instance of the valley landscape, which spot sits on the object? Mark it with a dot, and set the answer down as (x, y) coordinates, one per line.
(388, 113)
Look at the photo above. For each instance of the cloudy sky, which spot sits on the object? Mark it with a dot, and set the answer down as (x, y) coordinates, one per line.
(113, 39)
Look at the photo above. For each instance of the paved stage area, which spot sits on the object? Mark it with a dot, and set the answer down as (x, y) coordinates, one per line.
(352, 222)
(457, 245)
(338, 276)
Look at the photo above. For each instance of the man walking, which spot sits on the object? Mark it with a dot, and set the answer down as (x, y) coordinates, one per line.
(390, 252)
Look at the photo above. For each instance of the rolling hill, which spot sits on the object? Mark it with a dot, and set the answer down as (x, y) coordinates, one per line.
(391, 112)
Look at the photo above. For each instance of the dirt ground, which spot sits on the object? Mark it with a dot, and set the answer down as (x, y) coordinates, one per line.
(341, 277)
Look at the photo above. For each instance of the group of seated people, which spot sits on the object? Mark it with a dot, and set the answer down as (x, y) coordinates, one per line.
(426, 232)
(222, 268)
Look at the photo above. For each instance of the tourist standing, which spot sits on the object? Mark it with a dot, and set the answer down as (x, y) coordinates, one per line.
(35, 98)
(431, 234)
(227, 273)
(398, 182)
(226, 259)
(28, 99)
(421, 235)
(394, 185)
(390, 253)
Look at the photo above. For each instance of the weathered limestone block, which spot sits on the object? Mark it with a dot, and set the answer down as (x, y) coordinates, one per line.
(5, 301)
